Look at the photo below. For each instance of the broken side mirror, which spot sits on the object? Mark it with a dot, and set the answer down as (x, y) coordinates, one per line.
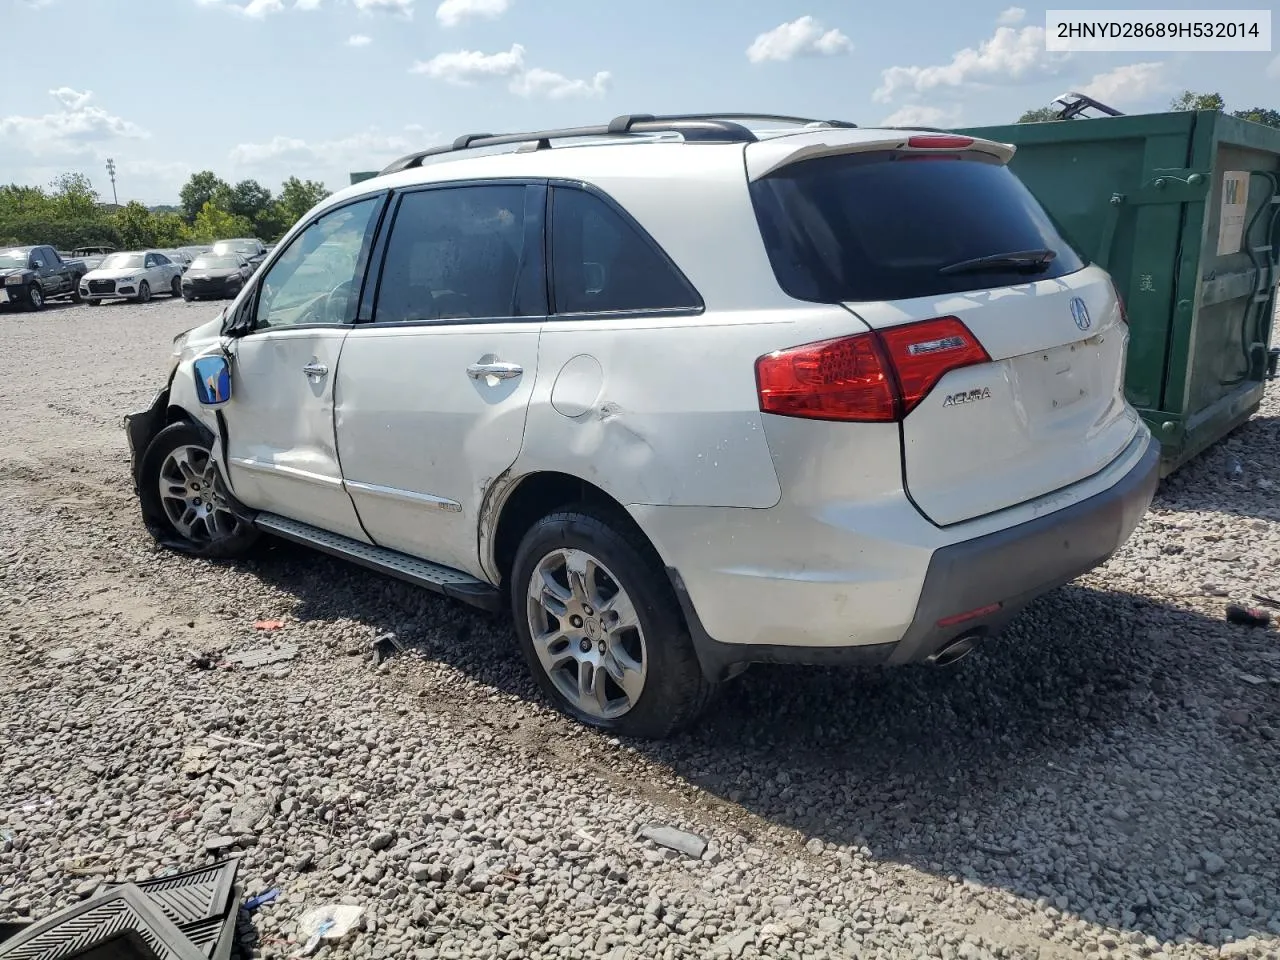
(213, 379)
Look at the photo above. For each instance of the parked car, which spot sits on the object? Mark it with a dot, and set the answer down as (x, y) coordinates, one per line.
(252, 250)
(32, 276)
(180, 257)
(213, 276)
(682, 402)
(132, 276)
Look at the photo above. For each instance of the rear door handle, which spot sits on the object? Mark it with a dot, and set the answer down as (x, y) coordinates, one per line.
(498, 369)
(315, 369)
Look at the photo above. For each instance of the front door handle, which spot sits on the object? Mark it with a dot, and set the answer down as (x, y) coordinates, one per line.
(315, 369)
(496, 369)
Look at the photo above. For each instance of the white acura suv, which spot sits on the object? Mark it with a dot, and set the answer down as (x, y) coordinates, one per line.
(681, 393)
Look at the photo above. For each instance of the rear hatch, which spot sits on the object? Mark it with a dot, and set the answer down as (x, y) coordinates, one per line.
(992, 343)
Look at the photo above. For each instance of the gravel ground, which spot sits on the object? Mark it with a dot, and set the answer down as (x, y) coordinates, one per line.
(1101, 782)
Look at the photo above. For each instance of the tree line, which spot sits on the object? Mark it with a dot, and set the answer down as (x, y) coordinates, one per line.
(1187, 100)
(70, 213)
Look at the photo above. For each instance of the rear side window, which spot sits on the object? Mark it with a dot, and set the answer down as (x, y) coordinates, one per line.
(457, 253)
(603, 263)
(885, 226)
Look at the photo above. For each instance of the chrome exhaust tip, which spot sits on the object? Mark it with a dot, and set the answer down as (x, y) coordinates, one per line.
(954, 651)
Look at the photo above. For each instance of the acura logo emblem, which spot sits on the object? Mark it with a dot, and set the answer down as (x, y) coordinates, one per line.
(1080, 313)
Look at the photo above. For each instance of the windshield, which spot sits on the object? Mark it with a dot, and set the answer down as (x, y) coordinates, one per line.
(122, 261)
(235, 246)
(875, 227)
(12, 258)
(215, 263)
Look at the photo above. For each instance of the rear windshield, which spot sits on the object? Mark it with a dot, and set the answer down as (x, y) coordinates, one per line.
(880, 226)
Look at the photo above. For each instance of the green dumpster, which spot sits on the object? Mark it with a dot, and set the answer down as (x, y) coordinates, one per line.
(1183, 209)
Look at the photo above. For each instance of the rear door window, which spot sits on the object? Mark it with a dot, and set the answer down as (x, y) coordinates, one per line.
(884, 226)
(461, 253)
(603, 263)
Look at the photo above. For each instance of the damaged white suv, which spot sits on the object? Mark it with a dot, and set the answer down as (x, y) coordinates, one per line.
(682, 393)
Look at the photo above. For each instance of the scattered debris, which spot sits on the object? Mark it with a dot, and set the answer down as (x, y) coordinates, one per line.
(1234, 469)
(1253, 681)
(1266, 601)
(202, 659)
(385, 646)
(263, 656)
(1247, 616)
(268, 625)
(686, 843)
(331, 922)
(62, 654)
(197, 760)
(219, 844)
(253, 903)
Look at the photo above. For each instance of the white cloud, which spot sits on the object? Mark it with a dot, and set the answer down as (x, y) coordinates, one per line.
(359, 40)
(402, 8)
(306, 4)
(1012, 16)
(1009, 55)
(919, 115)
(556, 86)
(464, 67)
(1273, 68)
(450, 13)
(798, 38)
(370, 148)
(1131, 83)
(72, 131)
(253, 9)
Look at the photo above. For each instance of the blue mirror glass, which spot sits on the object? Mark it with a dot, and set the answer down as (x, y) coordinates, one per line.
(213, 380)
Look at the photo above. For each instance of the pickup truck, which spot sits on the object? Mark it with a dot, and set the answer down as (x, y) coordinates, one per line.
(31, 276)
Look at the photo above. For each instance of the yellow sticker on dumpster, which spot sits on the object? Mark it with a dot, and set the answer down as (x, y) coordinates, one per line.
(1235, 198)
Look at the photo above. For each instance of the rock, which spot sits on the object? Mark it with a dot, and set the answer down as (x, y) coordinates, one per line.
(1213, 864)
(1245, 907)
(687, 843)
(814, 846)
(462, 868)
(420, 872)
(219, 843)
(737, 942)
(374, 872)
(381, 840)
(87, 888)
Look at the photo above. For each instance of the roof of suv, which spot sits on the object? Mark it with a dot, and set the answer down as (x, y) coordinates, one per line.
(589, 153)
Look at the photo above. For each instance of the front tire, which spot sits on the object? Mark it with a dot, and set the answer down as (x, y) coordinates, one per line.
(187, 296)
(185, 504)
(144, 292)
(35, 298)
(600, 627)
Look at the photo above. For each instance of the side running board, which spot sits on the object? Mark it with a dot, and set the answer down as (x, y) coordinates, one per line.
(423, 573)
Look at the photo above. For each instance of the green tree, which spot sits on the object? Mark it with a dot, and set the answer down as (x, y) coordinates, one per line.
(1190, 100)
(249, 199)
(135, 226)
(19, 201)
(296, 198)
(170, 229)
(204, 187)
(74, 197)
(1042, 115)
(214, 223)
(1263, 115)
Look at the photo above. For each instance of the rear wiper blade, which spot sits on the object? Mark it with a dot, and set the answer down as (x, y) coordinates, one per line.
(1032, 261)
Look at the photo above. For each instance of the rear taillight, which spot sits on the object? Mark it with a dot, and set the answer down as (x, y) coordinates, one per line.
(870, 377)
(1124, 314)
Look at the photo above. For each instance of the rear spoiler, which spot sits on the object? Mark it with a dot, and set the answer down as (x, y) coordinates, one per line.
(769, 156)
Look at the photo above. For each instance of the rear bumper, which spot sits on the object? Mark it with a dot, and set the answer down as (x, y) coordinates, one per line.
(998, 573)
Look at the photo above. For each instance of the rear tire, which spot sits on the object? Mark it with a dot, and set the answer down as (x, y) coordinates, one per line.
(185, 503)
(175, 288)
(144, 292)
(600, 627)
(76, 295)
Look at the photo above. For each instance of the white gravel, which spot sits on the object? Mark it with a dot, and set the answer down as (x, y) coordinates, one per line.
(1102, 782)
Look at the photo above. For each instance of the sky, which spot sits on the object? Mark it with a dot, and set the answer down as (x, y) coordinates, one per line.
(320, 88)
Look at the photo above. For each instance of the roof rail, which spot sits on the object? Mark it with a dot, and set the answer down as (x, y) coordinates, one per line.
(699, 127)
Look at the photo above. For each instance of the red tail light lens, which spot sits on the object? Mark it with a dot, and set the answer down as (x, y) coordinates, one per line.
(870, 377)
(1124, 314)
(923, 353)
(939, 142)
